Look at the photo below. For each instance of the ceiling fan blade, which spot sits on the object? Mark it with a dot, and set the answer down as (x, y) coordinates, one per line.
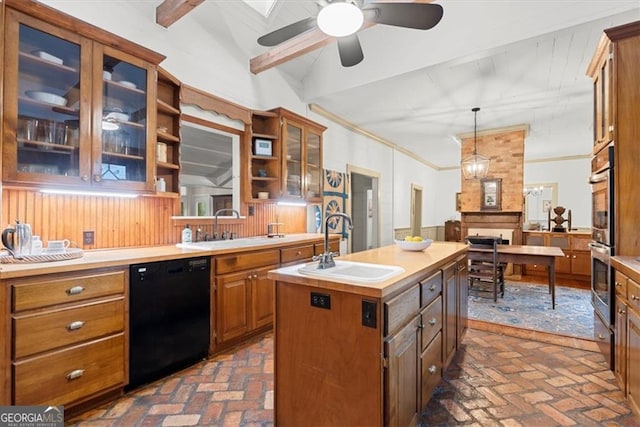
(285, 33)
(350, 50)
(420, 16)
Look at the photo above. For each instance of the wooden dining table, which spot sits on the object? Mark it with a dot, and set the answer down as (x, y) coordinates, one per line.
(528, 254)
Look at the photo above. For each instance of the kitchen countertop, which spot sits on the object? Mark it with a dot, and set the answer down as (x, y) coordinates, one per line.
(415, 264)
(579, 231)
(126, 256)
(628, 265)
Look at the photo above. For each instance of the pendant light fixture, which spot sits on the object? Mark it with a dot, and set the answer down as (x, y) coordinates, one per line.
(475, 166)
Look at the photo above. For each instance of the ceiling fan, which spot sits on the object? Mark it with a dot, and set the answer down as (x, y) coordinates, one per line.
(343, 18)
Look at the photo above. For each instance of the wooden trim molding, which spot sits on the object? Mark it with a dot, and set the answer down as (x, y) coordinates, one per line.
(61, 19)
(169, 11)
(209, 102)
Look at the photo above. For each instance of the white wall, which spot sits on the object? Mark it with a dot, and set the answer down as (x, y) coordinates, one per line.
(574, 191)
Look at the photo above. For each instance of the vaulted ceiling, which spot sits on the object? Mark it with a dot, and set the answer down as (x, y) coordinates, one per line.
(520, 61)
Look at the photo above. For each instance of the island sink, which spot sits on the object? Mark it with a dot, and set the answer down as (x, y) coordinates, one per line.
(352, 271)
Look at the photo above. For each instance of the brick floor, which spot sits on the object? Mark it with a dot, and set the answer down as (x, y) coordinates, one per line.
(495, 380)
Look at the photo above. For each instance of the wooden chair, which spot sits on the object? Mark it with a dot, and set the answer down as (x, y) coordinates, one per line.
(484, 269)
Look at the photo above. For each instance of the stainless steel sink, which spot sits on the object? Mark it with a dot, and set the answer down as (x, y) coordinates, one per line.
(360, 272)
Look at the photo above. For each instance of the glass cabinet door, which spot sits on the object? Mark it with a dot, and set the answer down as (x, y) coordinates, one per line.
(293, 160)
(313, 172)
(123, 120)
(44, 115)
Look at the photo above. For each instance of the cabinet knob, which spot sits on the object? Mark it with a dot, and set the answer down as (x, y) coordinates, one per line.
(75, 290)
(574, 257)
(85, 178)
(621, 311)
(255, 276)
(635, 298)
(97, 178)
(433, 321)
(75, 325)
(432, 288)
(601, 337)
(433, 369)
(299, 253)
(618, 284)
(421, 326)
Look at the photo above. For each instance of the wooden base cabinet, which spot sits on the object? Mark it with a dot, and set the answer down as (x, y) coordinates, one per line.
(576, 263)
(69, 337)
(346, 359)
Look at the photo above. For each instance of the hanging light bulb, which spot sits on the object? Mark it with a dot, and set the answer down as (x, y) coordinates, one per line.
(475, 166)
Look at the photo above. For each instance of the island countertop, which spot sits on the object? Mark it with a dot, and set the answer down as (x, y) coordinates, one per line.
(415, 265)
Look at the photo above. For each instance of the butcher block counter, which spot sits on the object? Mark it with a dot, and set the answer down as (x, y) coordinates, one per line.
(65, 324)
(348, 353)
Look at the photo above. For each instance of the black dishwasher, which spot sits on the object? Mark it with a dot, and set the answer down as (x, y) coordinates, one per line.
(169, 317)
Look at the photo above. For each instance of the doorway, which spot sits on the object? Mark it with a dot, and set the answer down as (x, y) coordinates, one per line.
(416, 210)
(364, 207)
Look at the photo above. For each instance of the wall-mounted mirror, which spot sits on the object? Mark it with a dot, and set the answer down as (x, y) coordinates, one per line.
(210, 167)
(538, 200)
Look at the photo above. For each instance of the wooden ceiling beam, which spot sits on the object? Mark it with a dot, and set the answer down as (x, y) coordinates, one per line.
(302, 44)
(169, 11)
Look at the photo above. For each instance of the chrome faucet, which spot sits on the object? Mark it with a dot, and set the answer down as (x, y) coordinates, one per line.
(215, 225)
(326, 259)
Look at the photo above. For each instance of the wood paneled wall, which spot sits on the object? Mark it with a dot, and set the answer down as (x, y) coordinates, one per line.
(143, 221)
(506, 151)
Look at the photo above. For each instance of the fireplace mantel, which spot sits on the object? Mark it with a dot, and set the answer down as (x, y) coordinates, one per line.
(511, 220)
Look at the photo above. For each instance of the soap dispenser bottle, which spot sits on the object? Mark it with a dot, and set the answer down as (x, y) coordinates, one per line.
(186, 234)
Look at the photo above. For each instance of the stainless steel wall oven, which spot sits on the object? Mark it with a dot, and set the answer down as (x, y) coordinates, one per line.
(602, 233)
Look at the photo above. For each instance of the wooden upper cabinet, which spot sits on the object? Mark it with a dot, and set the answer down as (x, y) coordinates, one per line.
(285, 160)
(601, 73)
(75, 109)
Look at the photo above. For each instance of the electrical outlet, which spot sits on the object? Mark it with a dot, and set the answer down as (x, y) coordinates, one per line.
(88, 237)
(369, 316)
(320, 300)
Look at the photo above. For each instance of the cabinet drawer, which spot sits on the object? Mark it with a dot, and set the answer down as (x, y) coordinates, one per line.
(430, 288)
(44, 293)
(296, 254)
(535, 268)
(68, 375)
(621, 284)
(334, 246)
(580, 243)
(431, 367)
(244, 261)
(45, 331)
(400, 309)
(633, 290)
(431, 321)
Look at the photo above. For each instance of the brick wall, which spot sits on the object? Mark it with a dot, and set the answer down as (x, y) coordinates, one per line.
(506, 151)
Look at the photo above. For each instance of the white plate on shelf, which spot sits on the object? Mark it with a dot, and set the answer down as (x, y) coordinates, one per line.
(127, 84)
(47, 97)
(47, 57)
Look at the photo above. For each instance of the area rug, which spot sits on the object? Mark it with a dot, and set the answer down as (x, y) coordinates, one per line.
(529, 306)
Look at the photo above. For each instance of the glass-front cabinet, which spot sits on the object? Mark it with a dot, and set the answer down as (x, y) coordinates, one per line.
(302, 157)
(75, 110)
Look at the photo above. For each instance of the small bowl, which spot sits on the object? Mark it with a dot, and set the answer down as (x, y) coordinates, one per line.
(263, 195)
(414, 246)
(127, 84)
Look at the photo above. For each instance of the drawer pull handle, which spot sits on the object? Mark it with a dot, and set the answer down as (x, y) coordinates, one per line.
(621, 311)
(433, 369)
(635, 298)
(433, 321)
(618, 284)
(75, 325)
(421, 326)
(432, 288)
(601, 337)
(75, 374)
(75, 290)
(299, 253)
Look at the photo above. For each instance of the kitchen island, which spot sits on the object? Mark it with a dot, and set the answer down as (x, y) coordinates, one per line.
(349, 352)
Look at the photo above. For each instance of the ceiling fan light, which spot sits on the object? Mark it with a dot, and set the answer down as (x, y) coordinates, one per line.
(340, 19)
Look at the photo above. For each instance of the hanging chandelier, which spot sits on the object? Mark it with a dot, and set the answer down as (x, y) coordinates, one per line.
(475, 166)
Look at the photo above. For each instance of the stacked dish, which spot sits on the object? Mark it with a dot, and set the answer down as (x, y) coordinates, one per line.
(47, 57)
(47, 97)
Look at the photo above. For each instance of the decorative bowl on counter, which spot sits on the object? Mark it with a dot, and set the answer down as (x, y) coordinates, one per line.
(414, 246)
(47, 97)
